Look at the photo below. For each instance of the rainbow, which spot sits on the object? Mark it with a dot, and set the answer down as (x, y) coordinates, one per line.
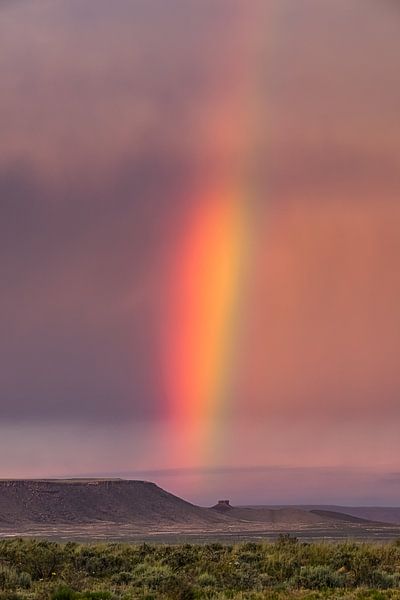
(209, 274)
(205, 313)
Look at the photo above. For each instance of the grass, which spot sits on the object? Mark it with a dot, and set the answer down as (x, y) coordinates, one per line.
(286, 569)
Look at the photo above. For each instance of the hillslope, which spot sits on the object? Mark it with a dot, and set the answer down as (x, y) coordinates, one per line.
(281, 516)
(87, 501)
(383, 514)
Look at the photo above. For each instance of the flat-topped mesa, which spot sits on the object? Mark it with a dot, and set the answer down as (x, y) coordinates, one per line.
(72, 481)
(96, 500)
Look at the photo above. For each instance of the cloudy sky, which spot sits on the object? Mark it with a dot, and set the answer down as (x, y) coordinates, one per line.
(199, 245)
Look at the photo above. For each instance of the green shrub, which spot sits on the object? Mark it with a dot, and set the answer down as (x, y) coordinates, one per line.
(122, 578)
(206, 580)
(265, 581)
(180, 558)
(64, 593)
(24, 581)
(8, 578)
(317, 578)
(383, 580)
(151, 576)
(285, 539)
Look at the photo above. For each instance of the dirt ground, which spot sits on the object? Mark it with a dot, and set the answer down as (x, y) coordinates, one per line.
(179, 534)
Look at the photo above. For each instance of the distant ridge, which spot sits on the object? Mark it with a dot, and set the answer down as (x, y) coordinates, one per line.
(339, 516)
(381, 514)
(278, 516)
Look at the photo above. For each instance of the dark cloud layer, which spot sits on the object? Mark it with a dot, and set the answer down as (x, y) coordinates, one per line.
(80, 298)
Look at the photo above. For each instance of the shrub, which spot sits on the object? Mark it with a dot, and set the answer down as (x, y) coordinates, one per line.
(384, 580)
(63, 593)
(66, 593)
(122, 578)
(317, 578)
(152, 577)
(8, 578)
(180, 591)
(24, 581)
(285, 539)
(181, 558)
(206, 580)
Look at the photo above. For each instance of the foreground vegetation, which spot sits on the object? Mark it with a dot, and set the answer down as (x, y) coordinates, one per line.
(45, 570)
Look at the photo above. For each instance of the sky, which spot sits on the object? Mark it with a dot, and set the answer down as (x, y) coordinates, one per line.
(199, 246)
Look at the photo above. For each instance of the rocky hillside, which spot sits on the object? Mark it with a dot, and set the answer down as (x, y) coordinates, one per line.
(86, 501)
